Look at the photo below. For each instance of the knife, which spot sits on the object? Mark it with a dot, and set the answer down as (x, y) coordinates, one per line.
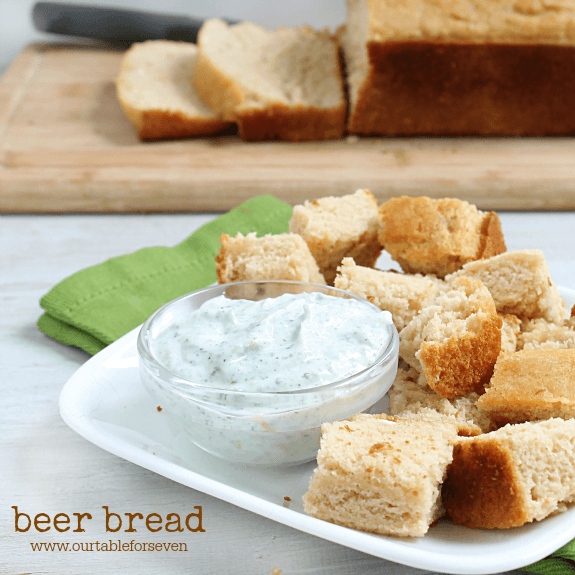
(114, 25)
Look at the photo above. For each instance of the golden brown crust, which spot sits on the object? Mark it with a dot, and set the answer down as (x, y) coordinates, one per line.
(497, 89)
(163, 124)
(437, 237)
(366, 252)
(221, 259)
(290, 123)
(454, 341)
(491, 242)
(481, 489)
(463, 364)
(532, 385)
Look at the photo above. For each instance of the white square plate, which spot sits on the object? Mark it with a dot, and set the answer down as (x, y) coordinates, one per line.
(105, 402)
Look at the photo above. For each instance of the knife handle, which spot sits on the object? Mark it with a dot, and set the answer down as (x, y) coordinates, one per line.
(112, 24)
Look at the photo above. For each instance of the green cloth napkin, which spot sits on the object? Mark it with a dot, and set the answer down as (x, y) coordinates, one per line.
(96, 306)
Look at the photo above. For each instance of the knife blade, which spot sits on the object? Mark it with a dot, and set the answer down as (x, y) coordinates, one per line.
(114, 25)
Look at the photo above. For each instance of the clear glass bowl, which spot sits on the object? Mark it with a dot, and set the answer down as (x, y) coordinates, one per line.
(275, 428)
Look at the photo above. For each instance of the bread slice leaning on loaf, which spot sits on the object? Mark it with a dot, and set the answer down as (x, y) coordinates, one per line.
(155, 91)
(284, 84)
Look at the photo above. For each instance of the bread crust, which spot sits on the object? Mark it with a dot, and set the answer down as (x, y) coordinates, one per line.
(457, 89)
(532, 385)
(491, 240)
(437, 237)
(463, 364)
(165, 124)
(290, 123)
(481, 487)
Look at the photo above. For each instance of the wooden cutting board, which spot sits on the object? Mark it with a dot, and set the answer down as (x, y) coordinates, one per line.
(66, 146)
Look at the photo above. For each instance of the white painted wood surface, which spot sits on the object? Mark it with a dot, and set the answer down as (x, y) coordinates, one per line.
(46, 467)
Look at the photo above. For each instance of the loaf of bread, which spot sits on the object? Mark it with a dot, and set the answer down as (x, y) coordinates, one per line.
(382, 474)
(403, 295)
(520, 283)
(460, 68)
(276, 257)
(453, 342)
(531, 385)
(155, 91)
(334, 228)
(512, 476)
(284, 84)
(437, 236)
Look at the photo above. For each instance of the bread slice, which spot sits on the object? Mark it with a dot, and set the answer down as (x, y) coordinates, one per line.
(401, 294)
(531, 385)
(512, 476)
(520, 283)
(453, 342)
(381, 474)
(542, 334)
(407, 396)
(338, 227)
(284, 84)
(278, 257)
(155, 91)
(460, 68)
(437, 236)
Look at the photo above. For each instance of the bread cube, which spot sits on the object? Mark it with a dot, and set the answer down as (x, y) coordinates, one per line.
(453, 343)
(401, 294)
(512, 476)
(278, 257)
(335, 228)
(437, 236)
(381, 474)
(520, 283)
(531, 385)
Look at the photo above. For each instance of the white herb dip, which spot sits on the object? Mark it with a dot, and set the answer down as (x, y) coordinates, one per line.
(291, 342)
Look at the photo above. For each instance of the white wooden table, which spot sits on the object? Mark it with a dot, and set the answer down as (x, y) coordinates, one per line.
(45, 467)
